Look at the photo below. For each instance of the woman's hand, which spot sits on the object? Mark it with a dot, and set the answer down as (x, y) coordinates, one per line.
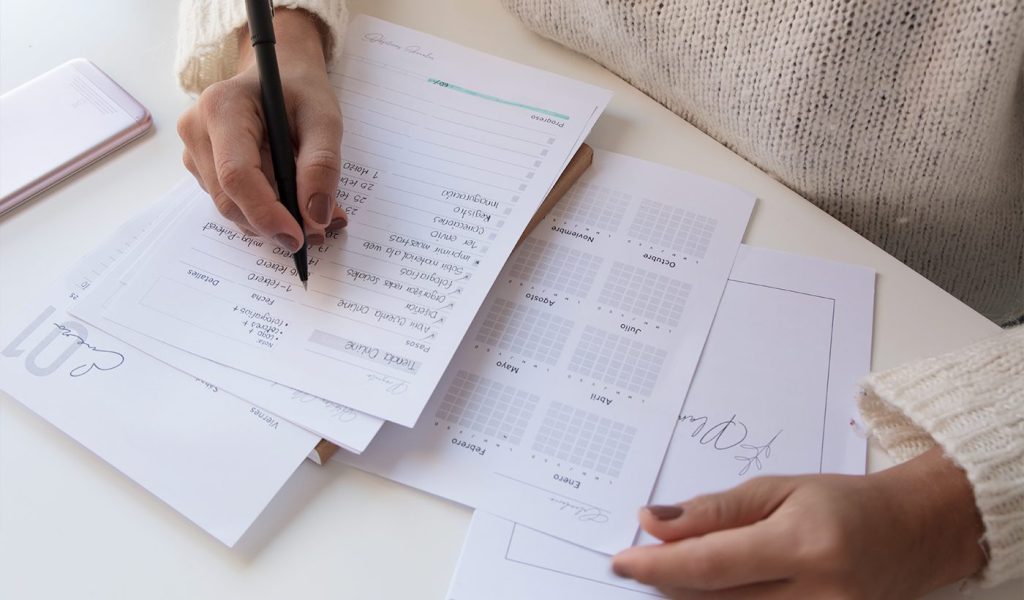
(226, 147)
(895, 534)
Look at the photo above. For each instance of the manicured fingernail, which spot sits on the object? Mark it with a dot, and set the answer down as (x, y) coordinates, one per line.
(665, 512)
(320, 208)
(314, 239)
(287, 242)
(337, 224)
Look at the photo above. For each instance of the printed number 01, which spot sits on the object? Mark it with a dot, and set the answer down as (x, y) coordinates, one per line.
(31, 365)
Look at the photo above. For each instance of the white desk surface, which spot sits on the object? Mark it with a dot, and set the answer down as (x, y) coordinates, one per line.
(73, 527)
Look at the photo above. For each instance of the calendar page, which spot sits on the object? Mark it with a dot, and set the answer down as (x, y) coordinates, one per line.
(773, 395)
(560, 403)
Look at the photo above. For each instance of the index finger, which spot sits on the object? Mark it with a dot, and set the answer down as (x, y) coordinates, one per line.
(719, 560)
(236, 142)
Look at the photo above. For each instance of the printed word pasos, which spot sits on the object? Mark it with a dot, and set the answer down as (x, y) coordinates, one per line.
(416, 345)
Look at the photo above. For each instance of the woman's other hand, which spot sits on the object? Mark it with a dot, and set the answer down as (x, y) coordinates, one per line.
(894, 534)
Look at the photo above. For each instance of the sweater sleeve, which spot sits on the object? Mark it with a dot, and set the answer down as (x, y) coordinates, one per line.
(207, 46)
(971, 403)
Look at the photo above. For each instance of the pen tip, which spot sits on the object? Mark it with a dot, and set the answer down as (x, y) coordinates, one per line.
(305, 285)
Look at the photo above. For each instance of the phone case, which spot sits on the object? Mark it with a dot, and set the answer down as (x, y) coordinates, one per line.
(58, 124)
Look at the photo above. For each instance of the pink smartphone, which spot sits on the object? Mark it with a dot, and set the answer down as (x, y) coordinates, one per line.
(59, 123)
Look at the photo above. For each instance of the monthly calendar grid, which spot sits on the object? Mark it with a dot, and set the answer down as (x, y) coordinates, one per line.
(487, 407)
(673, 228)
(584, 439)
(645, 293)
(593, 205)
(618, 361)
(525, 331)
(555, 267)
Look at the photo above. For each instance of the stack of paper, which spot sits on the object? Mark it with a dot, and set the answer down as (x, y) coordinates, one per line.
(772, 396)
(213, 457)
(447, 155)
(557, 409)
(551, 381)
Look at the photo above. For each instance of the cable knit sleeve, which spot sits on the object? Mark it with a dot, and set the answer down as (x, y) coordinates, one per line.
(207, 47)
(971, 403)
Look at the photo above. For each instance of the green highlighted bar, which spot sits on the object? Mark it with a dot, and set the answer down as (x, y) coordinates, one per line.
(457, 88)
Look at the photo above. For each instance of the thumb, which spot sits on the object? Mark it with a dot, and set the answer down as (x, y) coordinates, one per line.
(743, 505)
(318, 166)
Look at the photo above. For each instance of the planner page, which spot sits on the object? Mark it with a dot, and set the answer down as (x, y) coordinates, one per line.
(773, 395)
(559, 406)
(338, 424)
(448, 153)
(212, 457)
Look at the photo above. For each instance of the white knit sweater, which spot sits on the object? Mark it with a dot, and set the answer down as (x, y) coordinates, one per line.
(904, 119)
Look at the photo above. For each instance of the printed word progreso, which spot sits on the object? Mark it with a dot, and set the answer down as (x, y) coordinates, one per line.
(547, 120)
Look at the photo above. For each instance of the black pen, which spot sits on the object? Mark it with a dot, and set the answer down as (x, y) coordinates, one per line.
(261, 28)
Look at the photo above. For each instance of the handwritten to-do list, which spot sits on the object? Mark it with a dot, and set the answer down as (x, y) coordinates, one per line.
(558, 407)
(447, 155)
(339, 424)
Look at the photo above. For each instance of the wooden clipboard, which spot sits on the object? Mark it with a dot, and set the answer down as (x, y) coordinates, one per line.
(580, 162)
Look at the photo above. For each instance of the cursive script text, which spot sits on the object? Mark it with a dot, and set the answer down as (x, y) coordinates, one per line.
(102, 360)
(729, 434)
